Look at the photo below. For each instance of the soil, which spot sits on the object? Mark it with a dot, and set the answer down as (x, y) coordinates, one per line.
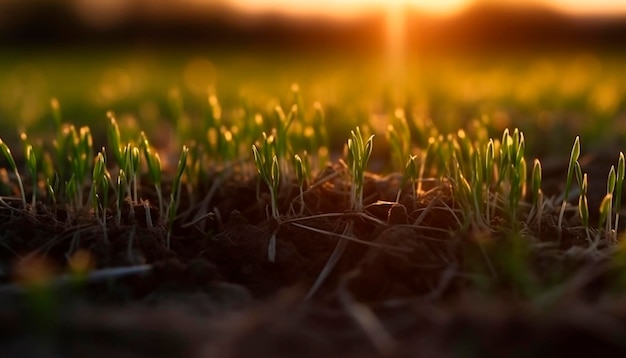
(433, 289)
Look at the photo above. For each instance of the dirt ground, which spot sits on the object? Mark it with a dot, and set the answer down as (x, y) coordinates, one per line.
(425, 290)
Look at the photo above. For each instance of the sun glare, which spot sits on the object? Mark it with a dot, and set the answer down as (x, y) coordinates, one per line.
(344, 8)
(349, 8)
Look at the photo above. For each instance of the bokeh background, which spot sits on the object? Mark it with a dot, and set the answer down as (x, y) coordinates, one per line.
(305, 25)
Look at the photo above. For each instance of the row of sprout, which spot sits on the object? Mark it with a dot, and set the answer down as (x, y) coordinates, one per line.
(490, 178)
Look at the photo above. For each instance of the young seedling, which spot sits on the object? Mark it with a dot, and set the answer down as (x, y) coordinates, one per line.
(478, 187)
(583, 206)
(133, 169)
(175, 195)
(504, 157)
(51, 193)
(115, 141)
(268, 168)
(266, 162)
(605, 214)
(511, 174)
(359, 152)
(7, 154)
(518, 188)
(153, 162)
(489, 165)
(573, 159)
(408, 176)
(621, 167)
(104, 185)
(97, 177)
(537, 193)
(77, 147)
(301, 175)
(463, 193)
(121, 190)
(282, 138)
(517, 173)
(100, 190)
(606, 207)
(31, 163)
(130, 165)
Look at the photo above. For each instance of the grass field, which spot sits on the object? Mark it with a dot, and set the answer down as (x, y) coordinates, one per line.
(582, 90)
(484, 190)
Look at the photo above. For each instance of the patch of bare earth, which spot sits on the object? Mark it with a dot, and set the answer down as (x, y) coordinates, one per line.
(410, 282)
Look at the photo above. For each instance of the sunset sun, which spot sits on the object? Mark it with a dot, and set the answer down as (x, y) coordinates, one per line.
(345, 8)
(349, 8)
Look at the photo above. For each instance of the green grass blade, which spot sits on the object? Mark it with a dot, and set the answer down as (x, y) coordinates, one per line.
(9, 157)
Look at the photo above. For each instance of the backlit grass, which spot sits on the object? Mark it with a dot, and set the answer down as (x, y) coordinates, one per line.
(468, 131)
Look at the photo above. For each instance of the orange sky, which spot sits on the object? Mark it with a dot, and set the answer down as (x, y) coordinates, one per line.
(345, 8)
